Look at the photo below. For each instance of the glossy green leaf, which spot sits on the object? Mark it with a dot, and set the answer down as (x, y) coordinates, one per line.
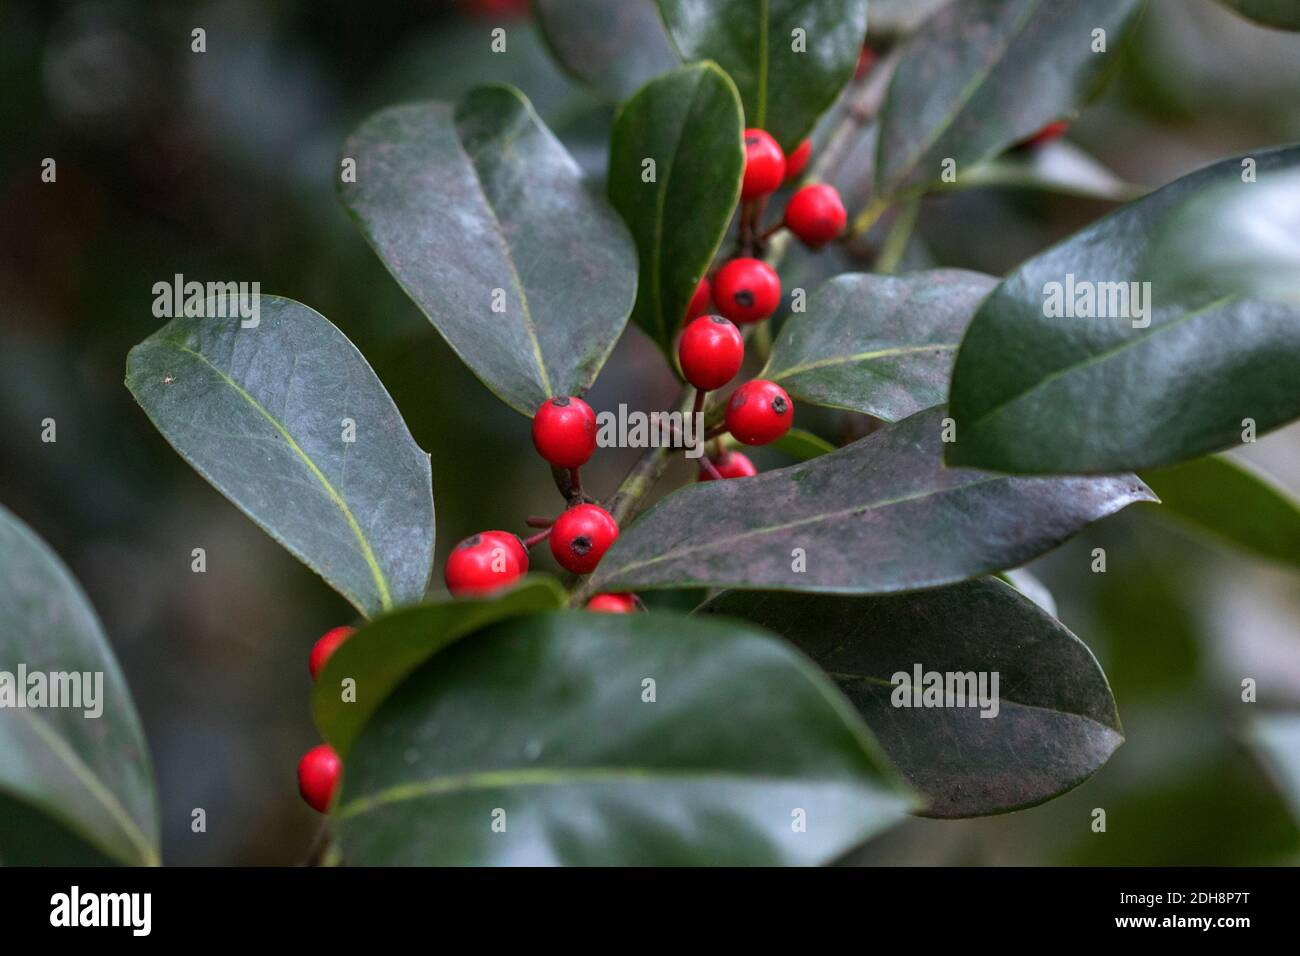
(878, 344)
(1233, 502)
(882, 514)
(1280, 14)
(263, 414)
(1056, 167)
(675, 165)
(611, 46)
(68, 774)
(1237, 237)
(982, 75)
(1044, 727)
(594, 739)
(799, 444)
(786, 78)
(379, 656)
(486, 221)
(1169, 374)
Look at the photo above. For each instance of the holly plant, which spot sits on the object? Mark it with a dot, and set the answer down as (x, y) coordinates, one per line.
(863, 643)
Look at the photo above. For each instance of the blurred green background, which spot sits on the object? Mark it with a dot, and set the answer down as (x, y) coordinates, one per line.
(221, 166)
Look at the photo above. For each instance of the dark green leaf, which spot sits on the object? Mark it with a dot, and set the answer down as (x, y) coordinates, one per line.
(689, 123)
(483, 210)
(1282, 14)
(61, 769)
(1233, 502)
(1034, 393)
(878, 344)
(784, 88)
(981, 75)
(262, 413)
(383, 653)
(800, 445)
(1238, 237)
(611, 46)
(543, 724)
(1046, 725)
(882, 514)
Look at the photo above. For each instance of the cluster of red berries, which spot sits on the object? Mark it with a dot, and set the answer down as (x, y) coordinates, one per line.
(320, 768)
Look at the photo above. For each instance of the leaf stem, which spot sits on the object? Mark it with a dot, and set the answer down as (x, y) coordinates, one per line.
(900, 233)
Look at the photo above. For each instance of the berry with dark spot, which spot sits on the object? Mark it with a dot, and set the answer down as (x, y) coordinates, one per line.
(484, 563)
(759, 412)
(581, 536)
(746, 290)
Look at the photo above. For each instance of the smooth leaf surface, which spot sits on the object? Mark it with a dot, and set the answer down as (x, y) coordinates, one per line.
(1040, 393)
(547, 719)
(1238, 237)
(611, 46)
(380, 655)
(65, 778)
(1233, 502)
(1052, 719)
(882, 514)
(486, 221)
(878, 344)
(261, 413)
(799, 444)
(982, 75)
(688, 123)
(1280, 14)
(784, 89)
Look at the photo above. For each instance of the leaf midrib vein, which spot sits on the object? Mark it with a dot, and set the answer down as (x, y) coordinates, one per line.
(550, 776)
(715, 543)
(862, 357)
(367, 552)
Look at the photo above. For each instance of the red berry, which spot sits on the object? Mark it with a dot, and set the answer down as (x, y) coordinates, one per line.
(746, 290)
(613, 603)
(710, 351)
(485, 562)
(701, 300)
(564, 432)
(797, 161)
(318, 776)
(581, 536)
(815, 214)
(325, 647)
(764, 165)
(1048, 133)
(866, 60)
(759, 412)
(732, 464)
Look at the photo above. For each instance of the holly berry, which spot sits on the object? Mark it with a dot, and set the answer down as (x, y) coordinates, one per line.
(325, 647)
(1048, 133)
(581, 536)
(746, 290)
(759, 412)
(701, 300)
(866, 60)
(485, 562)
(564, 432)
(732, 464)
(711, 351)
(764, 165)
(797, 161)
(613, 603)
(318, 776)
(815, 214)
